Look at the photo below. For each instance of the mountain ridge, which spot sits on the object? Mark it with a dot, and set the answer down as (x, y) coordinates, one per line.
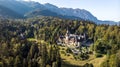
(28, 8)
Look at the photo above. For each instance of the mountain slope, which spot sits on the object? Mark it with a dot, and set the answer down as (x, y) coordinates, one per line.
(33, 5)
(8, 13)
(16, 6)
(45, 12)
(81, 13)
(32, 9)
(84, 14)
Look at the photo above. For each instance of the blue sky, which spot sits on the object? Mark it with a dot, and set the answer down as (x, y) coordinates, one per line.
(102, 9)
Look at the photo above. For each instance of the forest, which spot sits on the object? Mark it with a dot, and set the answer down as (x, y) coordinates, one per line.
(32, 42)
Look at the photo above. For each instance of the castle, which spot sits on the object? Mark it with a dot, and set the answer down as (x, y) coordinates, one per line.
(71, 39)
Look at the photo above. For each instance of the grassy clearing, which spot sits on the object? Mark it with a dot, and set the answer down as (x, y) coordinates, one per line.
(36, 40)
(69, 61)
(97, 61)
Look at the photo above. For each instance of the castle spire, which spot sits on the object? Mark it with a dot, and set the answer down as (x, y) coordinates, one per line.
(67, 33)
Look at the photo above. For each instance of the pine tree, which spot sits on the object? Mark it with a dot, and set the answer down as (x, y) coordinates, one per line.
(54, 64)
(44, 57)
(11, 62)
(58, 59)
(30, 63)
(18, 62)
(25, 64)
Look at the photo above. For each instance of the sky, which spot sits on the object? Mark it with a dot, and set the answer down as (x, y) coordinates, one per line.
(102, 9)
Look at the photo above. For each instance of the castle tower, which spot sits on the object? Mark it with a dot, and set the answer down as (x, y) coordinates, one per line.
(67, 34)
(67, 37)
(84, 36)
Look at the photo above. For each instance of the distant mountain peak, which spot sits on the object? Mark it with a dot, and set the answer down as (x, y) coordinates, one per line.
(50, 5)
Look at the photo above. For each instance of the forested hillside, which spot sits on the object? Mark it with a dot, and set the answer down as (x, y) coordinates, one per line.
(32, 42)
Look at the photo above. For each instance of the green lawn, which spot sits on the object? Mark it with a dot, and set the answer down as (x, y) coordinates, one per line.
(39, 41)
(69, 61)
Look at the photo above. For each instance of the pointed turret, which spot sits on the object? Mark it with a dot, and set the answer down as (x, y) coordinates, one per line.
(67, 32)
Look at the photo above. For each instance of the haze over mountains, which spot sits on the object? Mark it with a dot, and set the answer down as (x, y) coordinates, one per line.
(25, 9)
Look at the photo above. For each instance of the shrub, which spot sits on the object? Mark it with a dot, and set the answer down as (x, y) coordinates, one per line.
(98, 55)
(0, 64)
(62, 52)
(68, 50)
(88, 65)
(63, 48)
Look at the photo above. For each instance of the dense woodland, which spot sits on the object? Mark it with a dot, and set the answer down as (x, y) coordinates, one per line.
(16, 50)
